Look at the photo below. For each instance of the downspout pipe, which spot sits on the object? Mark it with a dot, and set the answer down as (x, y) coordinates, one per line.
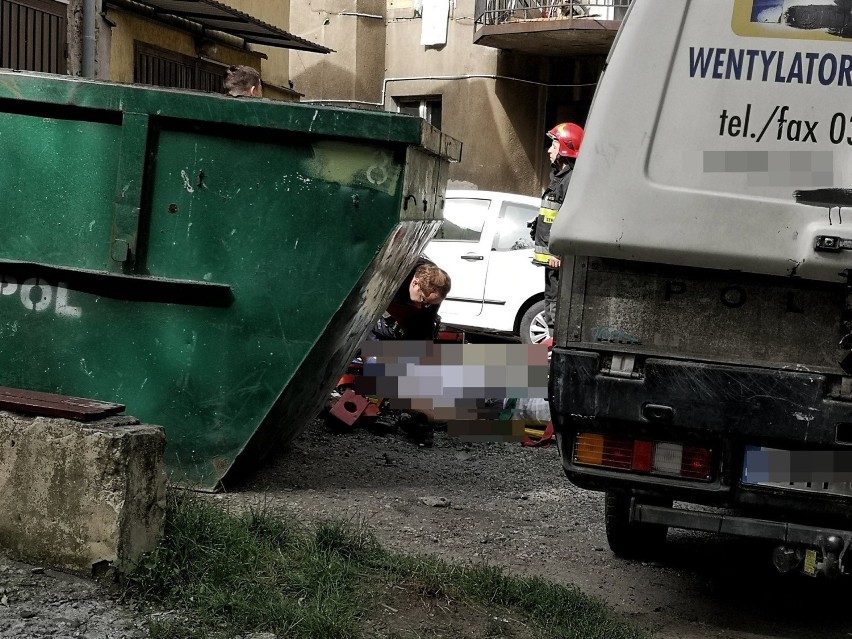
(89, 17)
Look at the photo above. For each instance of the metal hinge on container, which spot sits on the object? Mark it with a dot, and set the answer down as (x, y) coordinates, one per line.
(831, 243)
(621, 366)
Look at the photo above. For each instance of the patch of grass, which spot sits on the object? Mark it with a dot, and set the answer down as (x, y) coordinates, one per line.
(248, 572)
(228, 575)
(175, 630)
(347, 540)
(560, 611)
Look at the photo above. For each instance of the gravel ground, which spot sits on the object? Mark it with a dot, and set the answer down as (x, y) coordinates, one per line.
(512, 506)
(498, 502)
(36, 603)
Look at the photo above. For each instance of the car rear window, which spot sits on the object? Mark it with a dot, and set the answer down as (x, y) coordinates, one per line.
(513, 232)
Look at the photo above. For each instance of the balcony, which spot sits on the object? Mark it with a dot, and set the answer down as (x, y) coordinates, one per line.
(549, 27)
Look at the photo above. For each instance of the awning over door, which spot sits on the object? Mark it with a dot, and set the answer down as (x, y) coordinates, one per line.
(217, 16)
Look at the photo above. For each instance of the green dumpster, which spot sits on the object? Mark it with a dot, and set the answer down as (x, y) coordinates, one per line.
(210, 262)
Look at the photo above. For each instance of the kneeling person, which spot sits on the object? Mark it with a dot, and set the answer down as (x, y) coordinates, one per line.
(413, 311)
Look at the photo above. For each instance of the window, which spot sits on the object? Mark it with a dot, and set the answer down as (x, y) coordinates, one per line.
(463, 220)
(33, 35)
(427, 108)
(513, 233)
(163, 68)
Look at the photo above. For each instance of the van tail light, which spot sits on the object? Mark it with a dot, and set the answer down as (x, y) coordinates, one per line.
(643, 456)
(668, 458)
(696, 463)
(588, 449)
(617, 452)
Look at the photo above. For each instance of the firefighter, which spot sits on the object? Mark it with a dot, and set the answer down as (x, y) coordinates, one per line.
(566, 139)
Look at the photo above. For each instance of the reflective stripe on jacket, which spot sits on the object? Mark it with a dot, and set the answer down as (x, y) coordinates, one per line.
(551, 200)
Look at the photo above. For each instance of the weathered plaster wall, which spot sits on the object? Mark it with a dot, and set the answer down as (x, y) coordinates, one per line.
(114, 42)
(276, 68)
(103, 35)
(499, 121)
(354, 71)
(131, 28)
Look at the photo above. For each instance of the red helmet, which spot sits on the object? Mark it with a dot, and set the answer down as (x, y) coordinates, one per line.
(570, 137)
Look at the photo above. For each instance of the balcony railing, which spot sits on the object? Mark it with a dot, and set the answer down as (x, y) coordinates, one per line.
(493, 12)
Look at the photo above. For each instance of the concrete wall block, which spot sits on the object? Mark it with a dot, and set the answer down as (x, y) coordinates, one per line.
(80, 497)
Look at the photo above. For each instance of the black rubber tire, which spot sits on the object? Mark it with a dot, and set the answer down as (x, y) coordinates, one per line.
(527, 320)
(628, 539)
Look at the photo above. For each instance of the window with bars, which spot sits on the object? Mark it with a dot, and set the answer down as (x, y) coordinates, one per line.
(163, 68)
(33, 35)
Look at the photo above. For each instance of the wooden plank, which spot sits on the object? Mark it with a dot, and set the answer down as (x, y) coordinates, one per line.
(15, 12)
(52, 405)
(5, 35)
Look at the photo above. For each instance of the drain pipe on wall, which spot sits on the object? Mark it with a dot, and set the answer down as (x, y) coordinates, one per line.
(468, 76)
(89, 17)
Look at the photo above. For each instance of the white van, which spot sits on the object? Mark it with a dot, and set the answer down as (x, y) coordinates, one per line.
(702, 367)
(485, 246)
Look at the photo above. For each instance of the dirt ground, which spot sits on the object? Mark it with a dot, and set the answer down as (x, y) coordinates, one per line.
(498, 503)
(512, 506)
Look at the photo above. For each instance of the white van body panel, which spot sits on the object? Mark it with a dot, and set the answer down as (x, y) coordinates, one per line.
(727, 144)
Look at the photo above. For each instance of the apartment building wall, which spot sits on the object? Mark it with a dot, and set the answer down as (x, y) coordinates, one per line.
(494, 103)
(131, 29)
(356, 30)
(103, 33)
(275, 69)
(491, 100)
(118, 31)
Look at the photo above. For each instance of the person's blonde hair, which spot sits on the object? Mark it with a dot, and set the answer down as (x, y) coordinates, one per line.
(433, 280)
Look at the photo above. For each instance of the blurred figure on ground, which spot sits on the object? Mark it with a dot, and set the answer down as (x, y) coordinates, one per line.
(413, 315)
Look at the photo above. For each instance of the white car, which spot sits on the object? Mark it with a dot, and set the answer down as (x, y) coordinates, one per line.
(484, 244)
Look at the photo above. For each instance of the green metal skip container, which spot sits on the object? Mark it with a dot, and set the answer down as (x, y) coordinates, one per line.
(210, 262)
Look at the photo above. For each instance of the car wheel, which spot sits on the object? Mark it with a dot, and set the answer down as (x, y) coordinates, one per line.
(533, 328)
(628, 539)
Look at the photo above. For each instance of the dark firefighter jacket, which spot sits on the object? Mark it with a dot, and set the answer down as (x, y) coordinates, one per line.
(551, 200)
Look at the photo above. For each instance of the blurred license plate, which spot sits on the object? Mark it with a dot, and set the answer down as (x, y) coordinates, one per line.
(819, 471)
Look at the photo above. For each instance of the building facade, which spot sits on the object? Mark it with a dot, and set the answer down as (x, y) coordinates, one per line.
(187, 44)
(495, 74)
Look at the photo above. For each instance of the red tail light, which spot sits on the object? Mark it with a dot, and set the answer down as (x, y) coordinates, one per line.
(696, 463)
(617, 452)
(641, 456)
